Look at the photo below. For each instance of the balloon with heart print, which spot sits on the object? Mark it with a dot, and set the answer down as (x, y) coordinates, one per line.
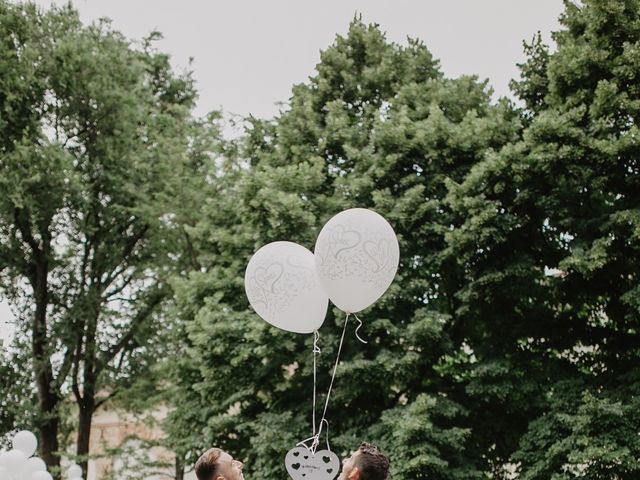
(302, 464)
(357, 257)
(282, 286)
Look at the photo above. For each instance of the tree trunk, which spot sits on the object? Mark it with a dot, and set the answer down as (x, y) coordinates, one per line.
(87, 403)
(48, 429)
(179, 468)
(85, 416)
(48, 395)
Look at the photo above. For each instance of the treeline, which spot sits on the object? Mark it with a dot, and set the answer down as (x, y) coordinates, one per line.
(508, 344)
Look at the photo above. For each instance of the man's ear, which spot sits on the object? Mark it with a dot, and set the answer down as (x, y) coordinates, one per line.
(219, 477)
(354, 474)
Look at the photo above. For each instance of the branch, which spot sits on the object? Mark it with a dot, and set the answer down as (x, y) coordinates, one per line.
(105, 399)
(142, 315)
(126, 252)
(25, 231)
(76, 366)
(191, 250)
(65, 368)
(118, 368)
(83, 265)
(88, 128)
(108, 295)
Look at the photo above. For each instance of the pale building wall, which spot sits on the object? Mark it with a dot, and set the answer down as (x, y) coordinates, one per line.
(114, 429)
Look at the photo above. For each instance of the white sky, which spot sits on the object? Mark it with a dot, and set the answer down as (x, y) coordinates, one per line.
(248, 53)
(5, 318)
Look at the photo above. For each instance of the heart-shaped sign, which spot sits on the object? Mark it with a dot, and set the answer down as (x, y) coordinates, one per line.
(302, 464)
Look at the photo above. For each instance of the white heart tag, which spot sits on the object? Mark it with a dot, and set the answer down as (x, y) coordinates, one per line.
(304, 465)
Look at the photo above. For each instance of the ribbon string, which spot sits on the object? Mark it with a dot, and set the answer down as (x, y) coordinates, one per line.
(316, 352)
(333, 377)
(358, 328)
(315, 439)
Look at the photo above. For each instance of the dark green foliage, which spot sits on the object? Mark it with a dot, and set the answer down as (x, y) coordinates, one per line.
(551, 247)
(93, 136)
(509, 339)
(584, 434)
(15, 402)
(378, 126)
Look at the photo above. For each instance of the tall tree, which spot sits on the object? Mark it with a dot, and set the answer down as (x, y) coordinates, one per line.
(93, 135)
(551, 247)
(377, 126)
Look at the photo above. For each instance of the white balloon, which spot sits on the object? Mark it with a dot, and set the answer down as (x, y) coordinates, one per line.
(357, 257)
(35, 464)
(26, 442)
(15, 461)
(283, 288)
(41, 476)
(75, 471)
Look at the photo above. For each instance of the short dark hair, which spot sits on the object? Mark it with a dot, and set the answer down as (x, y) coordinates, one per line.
(373, 465)
(207, 465)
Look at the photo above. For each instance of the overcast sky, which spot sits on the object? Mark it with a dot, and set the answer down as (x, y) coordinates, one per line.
(248, 53)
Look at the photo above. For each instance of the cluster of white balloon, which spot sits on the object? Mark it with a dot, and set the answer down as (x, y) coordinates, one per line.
(355, 260)
(20, 464)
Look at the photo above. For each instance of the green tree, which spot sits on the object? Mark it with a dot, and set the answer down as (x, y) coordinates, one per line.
(15, 406)
(377, 126)
(551, 247)
(93, 136)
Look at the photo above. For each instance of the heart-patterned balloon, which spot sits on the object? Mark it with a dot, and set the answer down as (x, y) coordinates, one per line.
(283, 288)
(357, 256)
(302, 464)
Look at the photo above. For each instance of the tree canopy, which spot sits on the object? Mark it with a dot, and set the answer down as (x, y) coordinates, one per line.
(550, 246)
(507, 343)
(507, 346)
(94, 134)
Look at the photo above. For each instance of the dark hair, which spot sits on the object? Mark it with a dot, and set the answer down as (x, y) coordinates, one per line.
(373, 465)
(207, 466)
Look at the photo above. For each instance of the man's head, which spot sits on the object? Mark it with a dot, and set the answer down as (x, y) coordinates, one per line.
(366, 463)
(215, 464)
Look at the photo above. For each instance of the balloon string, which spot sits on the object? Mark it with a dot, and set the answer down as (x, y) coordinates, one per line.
(316, 440)
(327, 434)
(358, 328)
(316, 352)
(303, 443)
